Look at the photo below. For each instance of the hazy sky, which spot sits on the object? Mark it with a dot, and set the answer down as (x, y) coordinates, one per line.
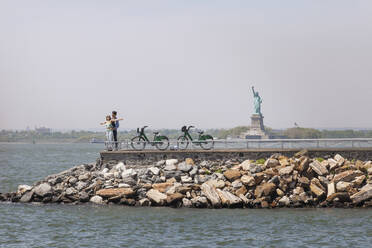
(66, 64)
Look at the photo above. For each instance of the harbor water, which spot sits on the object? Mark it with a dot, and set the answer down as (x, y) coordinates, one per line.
(51, 225)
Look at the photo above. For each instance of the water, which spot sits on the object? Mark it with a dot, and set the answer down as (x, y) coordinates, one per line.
(31, 225)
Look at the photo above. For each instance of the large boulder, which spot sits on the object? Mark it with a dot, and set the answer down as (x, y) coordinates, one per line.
(210, 192)
(286, 170)
(232, 175)
(174, 198)
(108, 193)
(265, 189)
(156, 196)
(162, 187)
(347, 176)
(184, 167)
(316, 190)
(364, 194)
(248, 180)
(319, 168)
(43, 190)
(96, 199)
(228, 199)
(23, 188)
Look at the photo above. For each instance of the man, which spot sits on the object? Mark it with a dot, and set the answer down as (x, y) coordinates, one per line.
(115, 122)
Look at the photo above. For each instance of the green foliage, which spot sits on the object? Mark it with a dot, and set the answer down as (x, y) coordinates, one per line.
(232, 132)
(302, 133)
(219, 171)
(260, 161)
(320, 159)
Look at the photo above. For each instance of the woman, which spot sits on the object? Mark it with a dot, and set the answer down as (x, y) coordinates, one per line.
(109, 129)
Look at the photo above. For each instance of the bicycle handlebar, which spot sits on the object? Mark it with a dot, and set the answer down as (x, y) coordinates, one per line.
(189, 128)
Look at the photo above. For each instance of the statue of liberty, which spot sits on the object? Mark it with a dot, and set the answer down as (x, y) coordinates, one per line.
(257, 102)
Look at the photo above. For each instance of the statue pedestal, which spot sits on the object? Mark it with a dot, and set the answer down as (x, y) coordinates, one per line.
(256, 130)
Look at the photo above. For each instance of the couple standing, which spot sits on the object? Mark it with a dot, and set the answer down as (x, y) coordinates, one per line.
(112, 125)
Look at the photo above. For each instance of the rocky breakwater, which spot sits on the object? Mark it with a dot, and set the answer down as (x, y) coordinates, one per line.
(279, 181)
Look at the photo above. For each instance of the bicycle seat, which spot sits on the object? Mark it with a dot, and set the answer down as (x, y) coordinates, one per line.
(200, 132)
(156, 133)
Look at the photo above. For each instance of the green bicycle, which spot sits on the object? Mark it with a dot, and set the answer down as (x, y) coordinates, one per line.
(139, 142)
(205, 141)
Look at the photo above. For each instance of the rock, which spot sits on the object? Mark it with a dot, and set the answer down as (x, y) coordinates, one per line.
(162, 187)
(184, 167)
(331, 189)
(108, 175)
(319, 168)
(144, 202)
(347, 176)
(186, 179)
(275, 180)
(43, 190)
(363, 195)
(343, 186)
(340, 196)
(70, 191)
(211, 193)
(129, 173)
(227, 198)
(332, 164)
(248, 180)
(84, 177)
(271, 162)
(72, 180)
(174, 198)
(199, 201)
(316, 190)
(23, 188)
(96, 199)
(189, 161)
(232, 175)
(27, 196)
(123, 185)
(236, 184)
(339, 159)
(279, 192)
(283, 161)
(186, 203)
(304, 181)
(286, 170)
(120, 167)
(129, 181)
(157, 197)
(241, 191)
(359, 180)
(284, 201)
(81, 185)
(303, 165)
(170, 167)
(170, 162)
(160, 163)
(108, 193)
(265, 189)
(154, 170)
(194, 171)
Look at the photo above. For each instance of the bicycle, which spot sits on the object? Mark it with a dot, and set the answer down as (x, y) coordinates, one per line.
(205, 141)
(139, 142)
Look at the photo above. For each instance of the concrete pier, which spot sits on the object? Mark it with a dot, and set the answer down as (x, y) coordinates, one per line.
(150, 156)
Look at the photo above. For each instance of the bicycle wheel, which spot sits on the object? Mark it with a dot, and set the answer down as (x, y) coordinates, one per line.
(162, 143)
(206, 142)
(182, 142)
(138, 143)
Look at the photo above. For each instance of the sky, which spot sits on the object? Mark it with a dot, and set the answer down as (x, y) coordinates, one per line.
(67, 64)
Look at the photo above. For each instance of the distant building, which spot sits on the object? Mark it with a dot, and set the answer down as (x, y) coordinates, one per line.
(43, 130)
